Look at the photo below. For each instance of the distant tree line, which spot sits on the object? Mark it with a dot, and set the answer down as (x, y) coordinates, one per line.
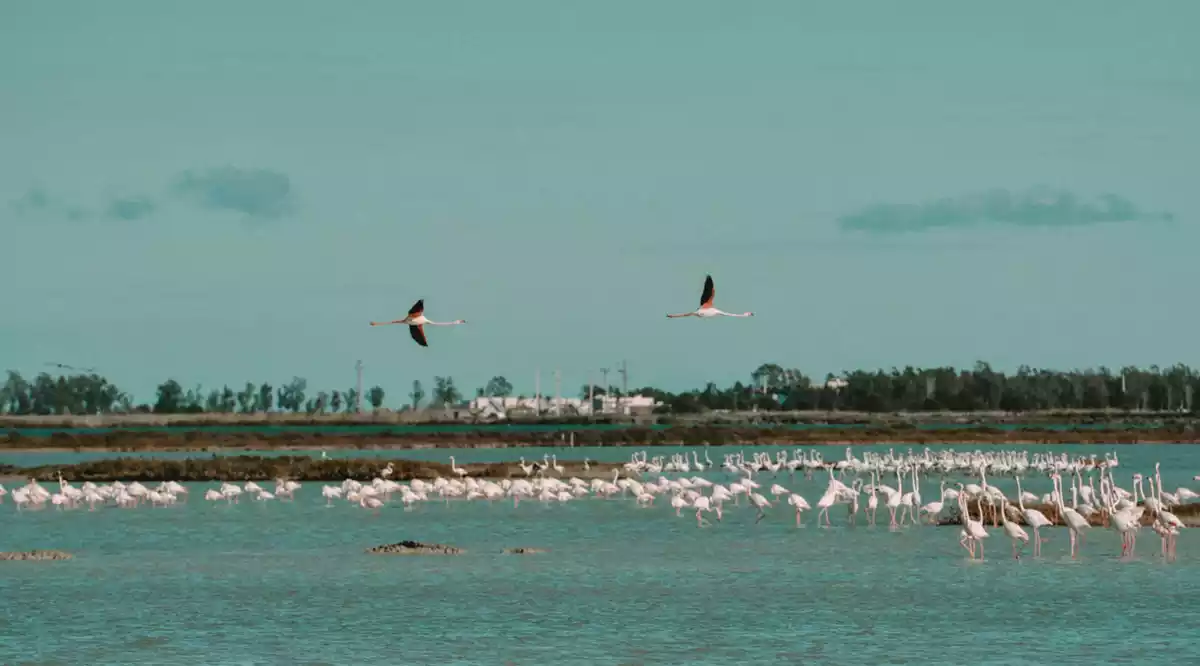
(981, 388)
(93, 394)
(771, 387)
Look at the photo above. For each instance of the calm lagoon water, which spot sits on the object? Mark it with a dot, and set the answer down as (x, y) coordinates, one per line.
(288, 582)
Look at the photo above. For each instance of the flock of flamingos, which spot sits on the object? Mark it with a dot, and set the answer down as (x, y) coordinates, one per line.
(861, 484)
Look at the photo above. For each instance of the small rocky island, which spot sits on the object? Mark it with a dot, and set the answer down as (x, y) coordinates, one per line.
(524, 551)
(36, 555)
(415, 548)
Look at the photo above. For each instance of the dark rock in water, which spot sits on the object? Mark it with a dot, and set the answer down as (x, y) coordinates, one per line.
(37, 555)
(525, 551)
(415, 548)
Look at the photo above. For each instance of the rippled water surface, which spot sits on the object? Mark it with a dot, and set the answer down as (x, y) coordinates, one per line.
(288, 582)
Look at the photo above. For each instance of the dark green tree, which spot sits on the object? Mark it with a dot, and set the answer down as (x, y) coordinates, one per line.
(375, 397)
(245, 398)
(498, 387)
(266, 398)
(444, 391)
(170, 398)
(417, 395)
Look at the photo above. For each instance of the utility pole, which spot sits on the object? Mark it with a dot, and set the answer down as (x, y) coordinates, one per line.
(557, 392)
(607, 389)
(358, 366)
(591, 397)
(624, 383)
(537, 391)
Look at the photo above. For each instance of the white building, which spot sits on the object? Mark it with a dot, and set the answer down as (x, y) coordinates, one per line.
(503, 408)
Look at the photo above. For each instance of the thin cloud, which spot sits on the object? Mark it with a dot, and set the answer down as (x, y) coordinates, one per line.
(1033, 208)
(259, 193)
(130, 208)
(36, 199)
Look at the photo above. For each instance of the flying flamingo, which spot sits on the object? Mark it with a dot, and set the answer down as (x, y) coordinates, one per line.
(706, 308)
(416, 322)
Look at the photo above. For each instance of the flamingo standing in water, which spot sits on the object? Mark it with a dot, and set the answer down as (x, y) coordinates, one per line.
(1034, 518)
(1012, 529)
(706, 308)
(416, 322)
(1075, 522)
(801, 505)
(973, 533)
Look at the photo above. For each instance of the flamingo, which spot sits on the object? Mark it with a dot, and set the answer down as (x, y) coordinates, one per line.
(416, 322)
(801, 505)
(760, 503)
(706, 308)
(367, 502)
(973, 532)
(1075, 522)
(1013, 530)
(702, 504)
(873, 499)
(1034, 518)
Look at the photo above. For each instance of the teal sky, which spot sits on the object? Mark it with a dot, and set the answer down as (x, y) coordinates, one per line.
(229, 191)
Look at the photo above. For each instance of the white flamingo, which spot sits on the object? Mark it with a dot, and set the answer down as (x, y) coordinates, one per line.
(417, 322)
(1034, 518)
(706, 308)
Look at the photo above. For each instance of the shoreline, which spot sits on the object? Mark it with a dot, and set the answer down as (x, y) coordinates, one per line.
(227, 450)
(297, 468)
(132, 441)
(763, 419)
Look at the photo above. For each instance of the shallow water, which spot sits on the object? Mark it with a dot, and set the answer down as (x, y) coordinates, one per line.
(288, 582)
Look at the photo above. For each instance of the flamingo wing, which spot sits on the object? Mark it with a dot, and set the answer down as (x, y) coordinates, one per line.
(706, 298)
(418, 334)
(417, 308)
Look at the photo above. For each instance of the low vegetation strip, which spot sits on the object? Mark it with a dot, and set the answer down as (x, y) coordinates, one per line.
(194, 440)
